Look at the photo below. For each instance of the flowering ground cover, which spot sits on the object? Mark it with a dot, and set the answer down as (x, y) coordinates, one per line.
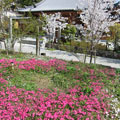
(73, 91)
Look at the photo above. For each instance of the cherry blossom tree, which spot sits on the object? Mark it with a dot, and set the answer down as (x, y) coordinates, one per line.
(54, 21)
(97, 19)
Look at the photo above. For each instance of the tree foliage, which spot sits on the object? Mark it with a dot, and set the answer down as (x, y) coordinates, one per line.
(5, 5)
(28, 27)
(115, 35)
(115, 31)
(18, 3)
(24, 3)
(69, 32)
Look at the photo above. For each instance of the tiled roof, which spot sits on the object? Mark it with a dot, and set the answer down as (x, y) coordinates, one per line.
(56, 5)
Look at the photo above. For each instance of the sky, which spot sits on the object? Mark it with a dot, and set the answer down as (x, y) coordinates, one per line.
(117, 0)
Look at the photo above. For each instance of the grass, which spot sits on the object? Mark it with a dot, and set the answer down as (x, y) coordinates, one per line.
(19, 56)
(31, 80)
(62, 80)
(51, 49)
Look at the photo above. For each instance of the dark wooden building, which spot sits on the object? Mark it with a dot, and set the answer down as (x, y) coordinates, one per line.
(68, 8)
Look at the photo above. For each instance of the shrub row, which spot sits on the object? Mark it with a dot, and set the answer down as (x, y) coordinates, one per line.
(83, 47)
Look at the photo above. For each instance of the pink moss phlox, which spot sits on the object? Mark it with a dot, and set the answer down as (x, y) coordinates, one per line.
(45, 104)
(32, 63)
(21, 104)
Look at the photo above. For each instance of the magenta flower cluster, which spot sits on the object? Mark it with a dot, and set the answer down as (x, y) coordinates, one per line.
(19, 104)
(59, 65)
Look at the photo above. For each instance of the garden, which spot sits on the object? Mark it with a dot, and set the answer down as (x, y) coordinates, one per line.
(43, 88)
(52, 89)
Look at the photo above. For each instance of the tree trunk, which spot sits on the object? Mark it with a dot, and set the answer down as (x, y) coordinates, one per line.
(11, 34)
(106, 45)
(39, 49)
(91, 52)
(37, 46)
(12, 48)
(85, 57)
(91, 55)
(37, 42)
(94, 56)
(86, 52)
(20, 49)
(115, 45)
(6, 48)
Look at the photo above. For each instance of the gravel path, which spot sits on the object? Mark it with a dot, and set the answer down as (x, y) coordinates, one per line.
(115, 63)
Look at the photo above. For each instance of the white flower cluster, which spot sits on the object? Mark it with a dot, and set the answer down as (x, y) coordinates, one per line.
(54, 21)
(115, 105)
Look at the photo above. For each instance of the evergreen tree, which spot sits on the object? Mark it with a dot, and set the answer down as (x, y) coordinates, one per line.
(24, 3)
